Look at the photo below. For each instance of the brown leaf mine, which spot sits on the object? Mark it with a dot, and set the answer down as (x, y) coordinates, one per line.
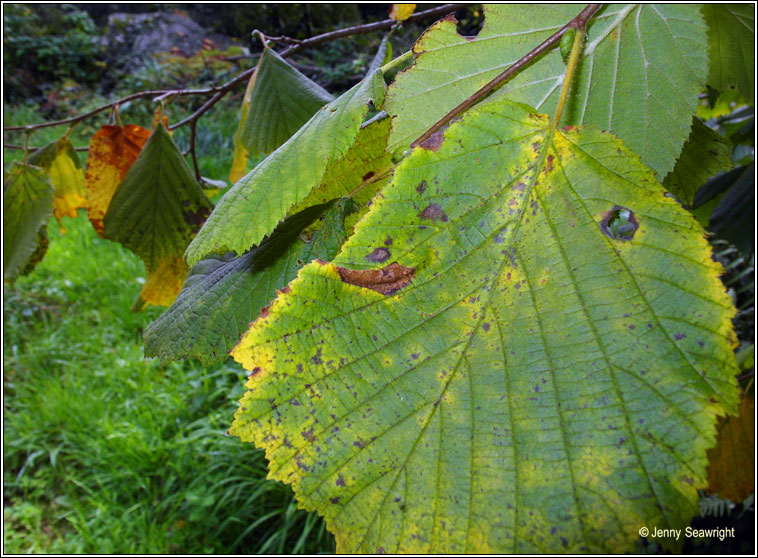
(387, 280)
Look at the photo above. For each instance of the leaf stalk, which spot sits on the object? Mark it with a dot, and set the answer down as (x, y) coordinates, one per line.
(573, 62)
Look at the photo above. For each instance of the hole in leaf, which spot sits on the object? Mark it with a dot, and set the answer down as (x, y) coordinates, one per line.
(620, 224)
(470, 21)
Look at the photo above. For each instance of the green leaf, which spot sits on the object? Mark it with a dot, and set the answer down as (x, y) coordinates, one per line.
(27, 206)
(706, 154)
(362, 166)
(485, 369)
(155, 212)
(222, 295)
(61, 162)
(731, 34)
(642, 70)
(281, 101)
(253, 207)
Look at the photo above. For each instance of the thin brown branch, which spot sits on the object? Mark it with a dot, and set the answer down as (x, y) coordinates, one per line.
(33, 149)
(369, 28)
(193, 129)
(580, 21)
(122, 100)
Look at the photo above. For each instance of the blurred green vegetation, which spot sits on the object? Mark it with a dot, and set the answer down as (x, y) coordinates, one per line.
(105, 452)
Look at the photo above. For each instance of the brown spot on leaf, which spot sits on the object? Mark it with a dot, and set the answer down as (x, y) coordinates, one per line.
(434, 212)
(387, 280)
(421, 188)
(368, 175)
(379, 255)
(308, 435)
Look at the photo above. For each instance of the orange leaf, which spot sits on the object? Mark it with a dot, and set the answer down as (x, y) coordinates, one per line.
(731, 462)
(112, 152)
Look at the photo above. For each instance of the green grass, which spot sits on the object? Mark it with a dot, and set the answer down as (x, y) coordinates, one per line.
(106, 452)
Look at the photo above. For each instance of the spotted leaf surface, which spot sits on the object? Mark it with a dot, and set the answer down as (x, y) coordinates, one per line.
(155, 212)
(642, 69)
(514, 376)
(254, 206)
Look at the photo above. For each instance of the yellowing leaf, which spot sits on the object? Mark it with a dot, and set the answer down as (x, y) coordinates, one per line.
(731, 464)
(155, 212)
(60, 160)
(112, 152)
(401, 12)
(27, 206)
(165, 282)
(523, 348)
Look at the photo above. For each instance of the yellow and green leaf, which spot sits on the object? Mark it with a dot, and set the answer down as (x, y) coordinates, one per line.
(61, 162)
(524, 348)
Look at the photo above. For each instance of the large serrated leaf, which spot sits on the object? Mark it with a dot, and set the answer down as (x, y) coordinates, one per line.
(155, 212)
(112, 152)
(731, 34)
(491, 364)
(642, 70)
(706, 154)
(223, 294)
(281, 101)
(61, 162)
(253, 207)
(27, 205)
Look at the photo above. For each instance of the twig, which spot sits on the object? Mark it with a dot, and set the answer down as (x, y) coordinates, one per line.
(193, 128)
(32, 148)
(122, 100)
(370, 27)
(578, 22)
